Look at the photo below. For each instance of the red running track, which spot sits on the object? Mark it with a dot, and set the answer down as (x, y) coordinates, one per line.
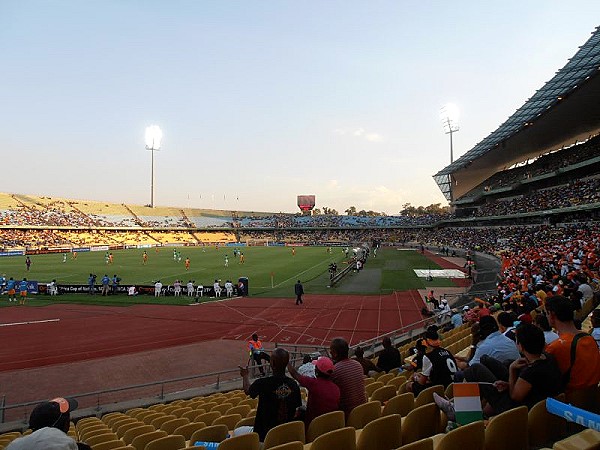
(34, 337)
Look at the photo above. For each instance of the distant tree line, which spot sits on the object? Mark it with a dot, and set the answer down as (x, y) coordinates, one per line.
(407, 210)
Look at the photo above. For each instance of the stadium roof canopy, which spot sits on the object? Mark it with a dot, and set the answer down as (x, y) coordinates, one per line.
(565, 110)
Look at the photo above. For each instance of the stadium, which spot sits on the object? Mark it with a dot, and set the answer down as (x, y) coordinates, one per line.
(153, 360)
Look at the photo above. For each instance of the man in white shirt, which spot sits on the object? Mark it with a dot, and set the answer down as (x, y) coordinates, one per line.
(158, 288)
(52, 288)
(586, 290)
(200, 290)
(190, 288)
(229, 288)
(217, 288)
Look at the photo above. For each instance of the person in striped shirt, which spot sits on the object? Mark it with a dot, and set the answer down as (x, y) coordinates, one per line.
(348, 375)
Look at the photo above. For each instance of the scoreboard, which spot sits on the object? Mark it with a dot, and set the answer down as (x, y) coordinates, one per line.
(306, 202)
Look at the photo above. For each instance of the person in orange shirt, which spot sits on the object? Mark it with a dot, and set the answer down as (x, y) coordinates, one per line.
(187, 263)
(584, 373)
(255, 349)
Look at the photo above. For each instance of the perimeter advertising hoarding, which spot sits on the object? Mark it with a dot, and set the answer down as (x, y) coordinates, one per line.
(306, 202)
(13, 253)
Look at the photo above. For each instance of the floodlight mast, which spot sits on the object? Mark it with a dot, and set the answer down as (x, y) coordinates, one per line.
(153, 140)
(449, 117)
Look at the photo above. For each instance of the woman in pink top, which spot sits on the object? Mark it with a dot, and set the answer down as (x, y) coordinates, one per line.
(323, 394)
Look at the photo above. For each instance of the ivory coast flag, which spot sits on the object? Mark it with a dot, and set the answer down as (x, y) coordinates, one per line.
(467, 403)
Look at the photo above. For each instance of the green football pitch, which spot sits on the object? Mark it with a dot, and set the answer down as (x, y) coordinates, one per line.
(271, 271)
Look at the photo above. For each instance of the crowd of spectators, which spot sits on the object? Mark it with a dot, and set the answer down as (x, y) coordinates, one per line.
(579, 192)
(544, 164)
(336, 221)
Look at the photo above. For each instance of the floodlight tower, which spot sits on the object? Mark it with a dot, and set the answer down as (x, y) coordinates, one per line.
(153, 137)
(449, 116)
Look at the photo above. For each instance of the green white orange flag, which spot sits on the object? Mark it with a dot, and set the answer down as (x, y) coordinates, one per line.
(467, 403)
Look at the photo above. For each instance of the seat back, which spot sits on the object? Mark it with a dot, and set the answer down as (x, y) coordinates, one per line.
(400, 404)
(246, 422)
(421, 422)
(543, 428)
(157, 423)
(179, 412)
(99, 438)
(363, 414)
(294, 445)
(511, 423)
(109, 445)
(212, 433)
(222, 407)
(584, 440)
(342, 439)
(381, 434)
(230, 420)
(127, 426)
(140, 441)
(286, 432)
(383, 394)
(467, 437)
(93, 430)
(242, 410)
(386, 377)
(422, 444)
(170, 426)
(174, 442)
(115, 424)
(132, 433)
(150, 417)
(370, 388)
(323, 424)
(247, 441)
(208, 418)
(191, 415)
(187, 430)
(426, 395)
(396, 381)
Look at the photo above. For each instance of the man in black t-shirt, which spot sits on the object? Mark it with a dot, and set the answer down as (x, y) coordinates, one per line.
(439, 366)
(389, 358)
(278, 395)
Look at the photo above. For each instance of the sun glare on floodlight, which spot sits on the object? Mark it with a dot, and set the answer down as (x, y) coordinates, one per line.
(449, 114)
(153, 137)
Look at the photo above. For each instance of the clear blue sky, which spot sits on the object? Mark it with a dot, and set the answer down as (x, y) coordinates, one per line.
(261, 101)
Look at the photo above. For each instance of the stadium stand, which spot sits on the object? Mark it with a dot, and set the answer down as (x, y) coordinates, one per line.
(526, 194)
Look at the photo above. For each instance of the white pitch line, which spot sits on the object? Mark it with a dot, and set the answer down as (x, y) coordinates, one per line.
(298, 275)
(28, 323)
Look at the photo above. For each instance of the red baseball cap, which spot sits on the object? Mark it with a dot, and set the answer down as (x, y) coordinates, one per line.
(324, 364)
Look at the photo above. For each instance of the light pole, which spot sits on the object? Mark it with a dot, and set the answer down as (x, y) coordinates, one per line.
(153, 137)
(449, 116)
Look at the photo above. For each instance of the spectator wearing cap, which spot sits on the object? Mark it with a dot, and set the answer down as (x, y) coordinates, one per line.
(439, 366)
(323, 394)
(50, 423)
(348, 375)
